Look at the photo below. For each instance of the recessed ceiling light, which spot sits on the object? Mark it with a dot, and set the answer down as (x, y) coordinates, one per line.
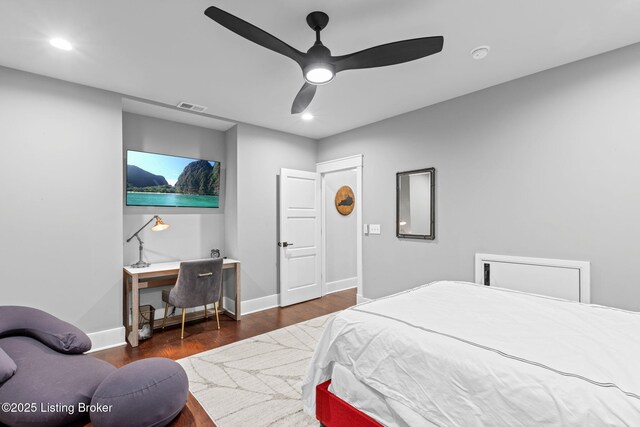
(61, 44)
(480, 52)
(307, 116)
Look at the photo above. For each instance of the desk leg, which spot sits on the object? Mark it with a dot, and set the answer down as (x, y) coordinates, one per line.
(135, 307)
(125, 303)
(238, 298)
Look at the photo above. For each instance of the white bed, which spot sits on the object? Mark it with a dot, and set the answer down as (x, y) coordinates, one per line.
(460, 354)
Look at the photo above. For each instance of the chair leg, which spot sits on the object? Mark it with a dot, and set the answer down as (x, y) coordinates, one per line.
(215, 306)
(184, 314)
(205, 312)
(164, 319)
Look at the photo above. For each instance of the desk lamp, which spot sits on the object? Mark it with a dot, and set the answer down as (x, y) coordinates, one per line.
(158, 226)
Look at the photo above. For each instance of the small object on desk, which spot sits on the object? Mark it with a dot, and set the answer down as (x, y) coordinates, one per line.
(158, 226)
(215, 253)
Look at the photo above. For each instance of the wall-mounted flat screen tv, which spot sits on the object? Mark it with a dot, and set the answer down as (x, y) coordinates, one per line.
(162, 180)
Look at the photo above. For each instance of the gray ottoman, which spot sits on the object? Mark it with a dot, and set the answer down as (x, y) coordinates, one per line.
(148, 392)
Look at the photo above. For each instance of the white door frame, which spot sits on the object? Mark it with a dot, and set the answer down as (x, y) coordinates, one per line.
(345, 163)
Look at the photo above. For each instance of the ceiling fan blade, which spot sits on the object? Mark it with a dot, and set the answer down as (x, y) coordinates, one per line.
(303, 98)
(389, 54)
(253, 33)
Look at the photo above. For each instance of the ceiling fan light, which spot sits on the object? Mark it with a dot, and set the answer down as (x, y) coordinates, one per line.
(319, 74)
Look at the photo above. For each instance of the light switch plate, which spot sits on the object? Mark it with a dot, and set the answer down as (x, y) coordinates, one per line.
(374, 228)
(365, 229)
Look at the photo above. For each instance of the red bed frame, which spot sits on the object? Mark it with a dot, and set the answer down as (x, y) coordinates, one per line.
(332, 411)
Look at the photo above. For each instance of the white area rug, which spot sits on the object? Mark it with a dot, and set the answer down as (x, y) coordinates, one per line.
(257, 381)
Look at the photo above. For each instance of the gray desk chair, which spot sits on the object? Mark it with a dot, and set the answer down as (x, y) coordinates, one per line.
(199, 283)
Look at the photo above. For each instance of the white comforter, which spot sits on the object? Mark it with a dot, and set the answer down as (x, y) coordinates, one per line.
(460, 354)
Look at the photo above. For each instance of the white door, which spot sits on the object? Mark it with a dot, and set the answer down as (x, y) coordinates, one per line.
(299, 236)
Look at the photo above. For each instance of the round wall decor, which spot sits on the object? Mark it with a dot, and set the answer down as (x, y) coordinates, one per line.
(345, 200)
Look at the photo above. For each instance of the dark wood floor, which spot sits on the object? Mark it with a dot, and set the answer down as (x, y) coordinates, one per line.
(203, 335)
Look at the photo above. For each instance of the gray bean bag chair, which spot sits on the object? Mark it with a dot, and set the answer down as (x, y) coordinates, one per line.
(52, 377)
(45, 380)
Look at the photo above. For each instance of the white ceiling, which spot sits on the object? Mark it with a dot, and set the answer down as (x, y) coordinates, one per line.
(168, 51)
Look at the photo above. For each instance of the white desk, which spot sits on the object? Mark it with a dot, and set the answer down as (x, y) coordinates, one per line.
(160, 274)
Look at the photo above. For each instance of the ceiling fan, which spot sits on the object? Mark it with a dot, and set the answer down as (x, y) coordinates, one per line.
(318, 65)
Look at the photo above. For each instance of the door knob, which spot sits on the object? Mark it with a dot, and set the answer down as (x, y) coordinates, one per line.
(284, 244)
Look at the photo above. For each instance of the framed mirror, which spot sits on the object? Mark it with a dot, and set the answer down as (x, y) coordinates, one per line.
(415, 204)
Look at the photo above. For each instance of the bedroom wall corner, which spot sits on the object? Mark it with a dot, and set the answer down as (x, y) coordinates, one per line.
(232, 248)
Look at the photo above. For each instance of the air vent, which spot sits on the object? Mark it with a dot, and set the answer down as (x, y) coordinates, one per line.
(191, 107)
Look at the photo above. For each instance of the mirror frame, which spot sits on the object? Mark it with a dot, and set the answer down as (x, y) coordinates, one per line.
(432, 227)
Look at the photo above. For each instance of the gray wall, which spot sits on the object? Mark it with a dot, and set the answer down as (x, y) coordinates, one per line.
(260, 153)
(231, 210)
(544, 166)
(340, 231)
(231, 202)
(61, 215)
(193, 232)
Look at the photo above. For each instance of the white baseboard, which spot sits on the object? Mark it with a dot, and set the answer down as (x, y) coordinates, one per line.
(259, 304)
(340, 285)
(109, 338)
(252, 305)
(360, 298)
